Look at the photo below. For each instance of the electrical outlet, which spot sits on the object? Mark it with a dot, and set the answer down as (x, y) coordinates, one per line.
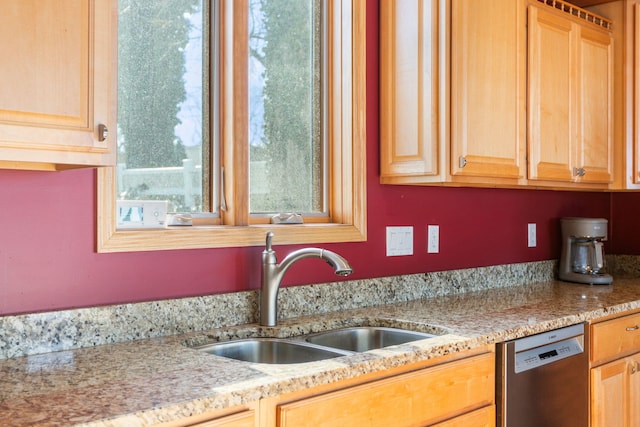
(433, 239)
(399, 241)
(531, 235)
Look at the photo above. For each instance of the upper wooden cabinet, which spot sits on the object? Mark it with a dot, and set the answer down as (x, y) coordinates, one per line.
(626, 17)
(455, 76)
(570, 99)
(452, 91)
(58, 91)
(410, 91)
(488, 93)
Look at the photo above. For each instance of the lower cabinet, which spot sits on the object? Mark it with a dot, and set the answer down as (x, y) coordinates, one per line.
(454, 390)
(247, 419)
(244, 418)
(615, 393)
(615, 372)
(459, 393)
(483, 417)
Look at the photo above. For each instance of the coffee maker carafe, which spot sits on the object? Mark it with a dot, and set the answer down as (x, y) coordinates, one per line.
(582, 257)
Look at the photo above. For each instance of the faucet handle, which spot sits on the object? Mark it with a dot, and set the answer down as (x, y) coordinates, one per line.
(269, 239)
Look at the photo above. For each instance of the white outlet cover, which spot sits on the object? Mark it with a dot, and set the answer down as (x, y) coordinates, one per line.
(531, 235)
(433, 239)
(399, 241)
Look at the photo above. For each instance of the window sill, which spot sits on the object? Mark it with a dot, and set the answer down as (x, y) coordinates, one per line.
(216, 236)
(110, 239)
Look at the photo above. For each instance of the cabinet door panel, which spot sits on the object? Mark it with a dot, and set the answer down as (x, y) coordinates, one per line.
(551, 96)
(48, 73)
(59, 82)
(596, 101)
(487, 88)
(636, 80)
(608, 397)
(634, 390)
(416, 398)
(408, 88)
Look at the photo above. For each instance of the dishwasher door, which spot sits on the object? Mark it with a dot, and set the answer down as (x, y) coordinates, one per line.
(543, 380)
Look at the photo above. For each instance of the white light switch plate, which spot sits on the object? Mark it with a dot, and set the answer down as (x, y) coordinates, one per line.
(531, 235)
(399, 241)
(433, 239)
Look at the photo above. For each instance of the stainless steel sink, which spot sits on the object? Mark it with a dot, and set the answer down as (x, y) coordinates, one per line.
(270, 350)
(365, 338)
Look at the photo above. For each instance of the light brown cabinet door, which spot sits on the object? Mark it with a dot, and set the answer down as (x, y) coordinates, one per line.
(615, 393)
(488, 92)
(409, 112)
(635, 63)
(608, 395)
(634, 390)
(551, 96)
(570, 127)
(595, 130)
(58, 74)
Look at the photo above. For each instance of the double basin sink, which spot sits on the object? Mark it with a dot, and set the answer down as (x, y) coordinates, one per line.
(320, 346)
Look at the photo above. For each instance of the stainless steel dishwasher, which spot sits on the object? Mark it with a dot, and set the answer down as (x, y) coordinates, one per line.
(543, 380)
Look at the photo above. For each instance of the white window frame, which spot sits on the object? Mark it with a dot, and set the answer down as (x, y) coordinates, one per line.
(347, 141)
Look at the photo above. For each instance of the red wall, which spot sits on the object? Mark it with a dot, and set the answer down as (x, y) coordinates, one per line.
(47, 229)
(625, 224)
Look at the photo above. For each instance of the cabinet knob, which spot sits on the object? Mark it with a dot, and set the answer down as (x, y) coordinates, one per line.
(462, 162)
(579, 172)
(633, 328)
(103, 132)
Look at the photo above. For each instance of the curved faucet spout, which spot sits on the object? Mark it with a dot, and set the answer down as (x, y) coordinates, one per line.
(339, 264)
(272, 274)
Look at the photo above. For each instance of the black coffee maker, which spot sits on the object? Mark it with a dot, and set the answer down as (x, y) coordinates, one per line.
(582, 257)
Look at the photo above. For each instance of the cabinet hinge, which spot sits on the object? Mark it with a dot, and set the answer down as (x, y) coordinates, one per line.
(462, 162)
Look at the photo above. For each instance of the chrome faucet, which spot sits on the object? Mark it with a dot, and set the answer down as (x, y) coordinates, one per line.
(272, 274)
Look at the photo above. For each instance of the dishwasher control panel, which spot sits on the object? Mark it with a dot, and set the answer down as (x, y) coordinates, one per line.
(539, 350)
(540, 356)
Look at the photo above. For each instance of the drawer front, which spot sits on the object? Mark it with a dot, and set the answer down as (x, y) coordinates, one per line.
(246, 419)
(416, 398)
(615, 338)
(484, 417)
(241, 419)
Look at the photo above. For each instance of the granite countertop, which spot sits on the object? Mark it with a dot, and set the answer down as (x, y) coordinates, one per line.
(143, 382)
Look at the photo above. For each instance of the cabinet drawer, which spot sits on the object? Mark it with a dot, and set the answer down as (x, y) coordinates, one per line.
(484, 417)
(246, 418)
(615, 338)
(416, 398)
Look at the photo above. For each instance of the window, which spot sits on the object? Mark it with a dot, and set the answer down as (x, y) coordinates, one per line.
(163, 134)
(286, 99)
(239, 110)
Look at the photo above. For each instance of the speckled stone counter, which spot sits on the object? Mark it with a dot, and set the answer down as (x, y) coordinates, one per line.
(147, 381)
(29, 334)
